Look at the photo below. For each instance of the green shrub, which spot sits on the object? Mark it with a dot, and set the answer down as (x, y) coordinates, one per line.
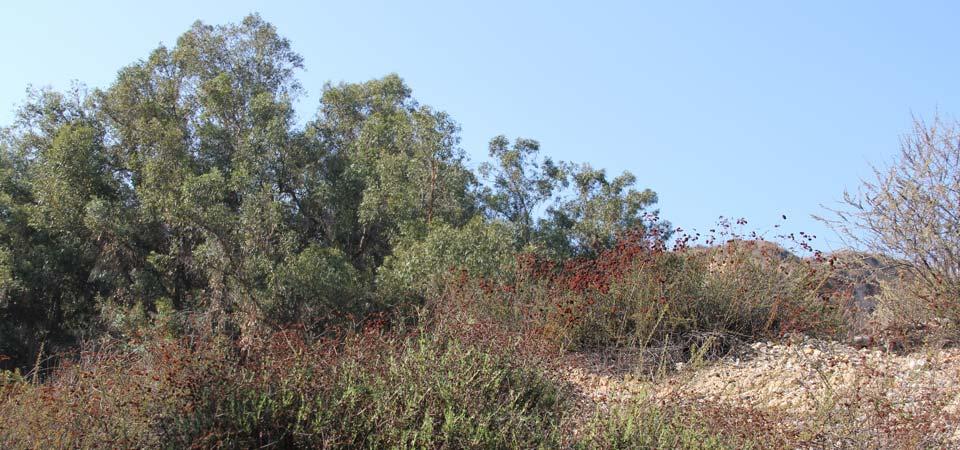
(425, 258)
(312, 286)
(436, 394)
(365, 391)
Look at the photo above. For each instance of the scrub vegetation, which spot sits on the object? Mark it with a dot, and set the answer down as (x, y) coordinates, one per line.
(184, 264)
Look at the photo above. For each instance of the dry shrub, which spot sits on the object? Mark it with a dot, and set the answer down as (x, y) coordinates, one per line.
(908, 211)
(904, 322)
(641, 425)
(869, 418)
(865, 418)
(687, 423)
(369, 389)
(640, 294)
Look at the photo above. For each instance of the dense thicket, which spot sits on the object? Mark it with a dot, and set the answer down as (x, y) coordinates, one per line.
(188, 184)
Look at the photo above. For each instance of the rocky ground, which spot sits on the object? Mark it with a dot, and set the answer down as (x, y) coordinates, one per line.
(821, 391)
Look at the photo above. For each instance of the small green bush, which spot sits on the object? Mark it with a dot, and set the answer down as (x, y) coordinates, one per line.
(426, 258)
(312, 286)
(435, 394)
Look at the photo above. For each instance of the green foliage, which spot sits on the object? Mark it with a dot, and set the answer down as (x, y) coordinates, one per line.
(599, 213)
(316, 284)
(521, 182)
(67, 175)
(187, 180)
(202, 130)
(437, 394)
(584, 224)
(386, 161)
(51, 166)
(424, 260)
(188, 183)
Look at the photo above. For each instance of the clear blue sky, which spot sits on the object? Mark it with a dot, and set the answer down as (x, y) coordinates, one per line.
(751, 109)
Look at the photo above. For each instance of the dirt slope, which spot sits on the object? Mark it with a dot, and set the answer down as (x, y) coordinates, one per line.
(821, 392)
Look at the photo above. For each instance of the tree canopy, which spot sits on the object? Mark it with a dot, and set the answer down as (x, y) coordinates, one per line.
(188, 184)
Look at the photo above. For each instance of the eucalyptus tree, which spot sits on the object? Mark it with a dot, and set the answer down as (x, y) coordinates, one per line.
(521, 181)
(598, 212)
(387, 161)
(53, 163)
(188, 181)
(202, 131)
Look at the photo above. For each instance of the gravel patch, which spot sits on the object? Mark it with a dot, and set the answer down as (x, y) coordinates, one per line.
(800, 377)
(823, 385)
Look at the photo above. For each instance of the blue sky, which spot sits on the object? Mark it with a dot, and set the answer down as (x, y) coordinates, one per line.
(742, 109)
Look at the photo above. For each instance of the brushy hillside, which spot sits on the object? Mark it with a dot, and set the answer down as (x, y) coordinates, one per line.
(183, 266)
